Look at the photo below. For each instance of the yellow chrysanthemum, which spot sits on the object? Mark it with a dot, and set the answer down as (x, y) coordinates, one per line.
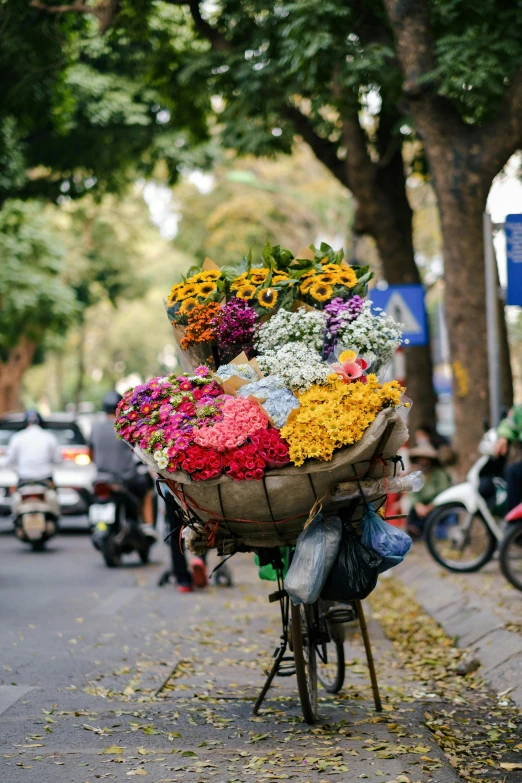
(207, 288)
(347, 277)
(321, 291)
(246, 291)
(335, 415)
(267, 297)
(188, 305)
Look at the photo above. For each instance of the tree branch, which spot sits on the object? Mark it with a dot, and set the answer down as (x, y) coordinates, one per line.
(106, 11)
(323, 149)
(217, 40)
(410, 22)
(502, 135)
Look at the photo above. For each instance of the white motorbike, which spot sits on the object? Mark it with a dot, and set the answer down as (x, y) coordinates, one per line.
(464, 529)
(36, 512)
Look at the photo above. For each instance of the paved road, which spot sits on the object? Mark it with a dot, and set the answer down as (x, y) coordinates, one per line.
(105, 675)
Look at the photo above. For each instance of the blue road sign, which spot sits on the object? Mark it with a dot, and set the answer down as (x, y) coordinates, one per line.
(513, 229)
(405, 304)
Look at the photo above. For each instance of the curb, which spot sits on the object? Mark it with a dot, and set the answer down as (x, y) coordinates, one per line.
(463, 616)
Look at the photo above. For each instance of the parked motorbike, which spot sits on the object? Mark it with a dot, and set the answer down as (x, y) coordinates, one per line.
(510, 554)
(118, 527)
(36, 512)
(465, 527)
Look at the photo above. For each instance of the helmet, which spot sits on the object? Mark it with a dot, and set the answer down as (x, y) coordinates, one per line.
(32, 417)
(110, 401)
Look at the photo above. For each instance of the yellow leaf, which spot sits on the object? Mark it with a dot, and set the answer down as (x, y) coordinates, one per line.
(509, 766)
(114, 750)
(139, 771)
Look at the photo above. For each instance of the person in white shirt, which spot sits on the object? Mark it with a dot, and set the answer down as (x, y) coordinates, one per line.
(33, 452)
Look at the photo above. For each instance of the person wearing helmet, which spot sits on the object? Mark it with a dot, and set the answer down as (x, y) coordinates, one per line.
(33, 452)
(509, 430)
(113, 456)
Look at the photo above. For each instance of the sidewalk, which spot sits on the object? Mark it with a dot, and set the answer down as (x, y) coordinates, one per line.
(481, 611)
(149, 682)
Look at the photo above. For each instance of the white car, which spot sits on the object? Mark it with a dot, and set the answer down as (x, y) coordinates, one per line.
(73, 478)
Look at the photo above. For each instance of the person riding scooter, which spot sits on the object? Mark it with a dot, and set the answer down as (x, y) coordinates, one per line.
(34, 452)
(119, 489)
(112, 456)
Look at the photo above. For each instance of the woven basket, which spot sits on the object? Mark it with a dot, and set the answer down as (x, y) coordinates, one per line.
(244, 515)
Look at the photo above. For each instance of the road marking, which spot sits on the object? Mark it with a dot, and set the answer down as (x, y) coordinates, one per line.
(115, 601)
(11, 693)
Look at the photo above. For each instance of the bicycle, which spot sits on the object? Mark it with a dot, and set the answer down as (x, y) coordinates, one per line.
(314, 634)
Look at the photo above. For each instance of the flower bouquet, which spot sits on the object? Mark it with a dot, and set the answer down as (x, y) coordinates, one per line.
(288, 403)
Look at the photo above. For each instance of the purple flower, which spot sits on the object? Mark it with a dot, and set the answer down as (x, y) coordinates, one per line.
(339, 312)
(235, 323)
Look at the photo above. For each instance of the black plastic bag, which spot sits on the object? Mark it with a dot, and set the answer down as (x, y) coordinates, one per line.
(354, 572)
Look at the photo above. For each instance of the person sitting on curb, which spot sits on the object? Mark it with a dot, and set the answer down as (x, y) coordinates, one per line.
(426, 459)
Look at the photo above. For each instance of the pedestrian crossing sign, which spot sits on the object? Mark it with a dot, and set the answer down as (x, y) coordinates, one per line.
(405, 304)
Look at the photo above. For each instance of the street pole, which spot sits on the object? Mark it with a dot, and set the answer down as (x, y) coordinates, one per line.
(491, 322)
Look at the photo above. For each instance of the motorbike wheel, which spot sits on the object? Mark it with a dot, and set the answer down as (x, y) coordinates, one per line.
(111, 552)
(511, 555)
(459, 541)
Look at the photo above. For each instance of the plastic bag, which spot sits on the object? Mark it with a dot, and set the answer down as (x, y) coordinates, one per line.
(389, 542)
(354, 573)
(268, 572)
(314, 555)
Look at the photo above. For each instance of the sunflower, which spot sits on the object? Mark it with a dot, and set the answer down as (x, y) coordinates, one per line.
(347, 278)
(321, 291)
(207, 288)
(310, 273)
(324, 260)
(331, 268)
(211, 274)
(305, 287)
(188, 306)
(259, 274)
(238, 282)
(246, 291)
(187, 290)
(280, 276)
(267, 297)
(325, 278)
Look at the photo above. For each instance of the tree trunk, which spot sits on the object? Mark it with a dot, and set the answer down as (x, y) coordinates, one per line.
(465, 290)
(80, 381)
(386, 215)
(11, 375)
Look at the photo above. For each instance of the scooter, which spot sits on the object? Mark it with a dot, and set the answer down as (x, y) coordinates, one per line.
(464, 529)
(36, 512)
(510, 555)
(118, 527)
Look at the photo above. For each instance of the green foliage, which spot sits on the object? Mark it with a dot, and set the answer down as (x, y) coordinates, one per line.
(80, 112)
(33, 295)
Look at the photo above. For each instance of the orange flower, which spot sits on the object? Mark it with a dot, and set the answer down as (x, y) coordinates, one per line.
(199, 329)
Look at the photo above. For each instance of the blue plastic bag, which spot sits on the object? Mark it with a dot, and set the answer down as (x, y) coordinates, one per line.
(389, 542)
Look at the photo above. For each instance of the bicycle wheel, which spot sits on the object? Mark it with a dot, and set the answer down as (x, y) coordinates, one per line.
(511, 555)
(305, 658)
(330, 649)
(459, 540)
